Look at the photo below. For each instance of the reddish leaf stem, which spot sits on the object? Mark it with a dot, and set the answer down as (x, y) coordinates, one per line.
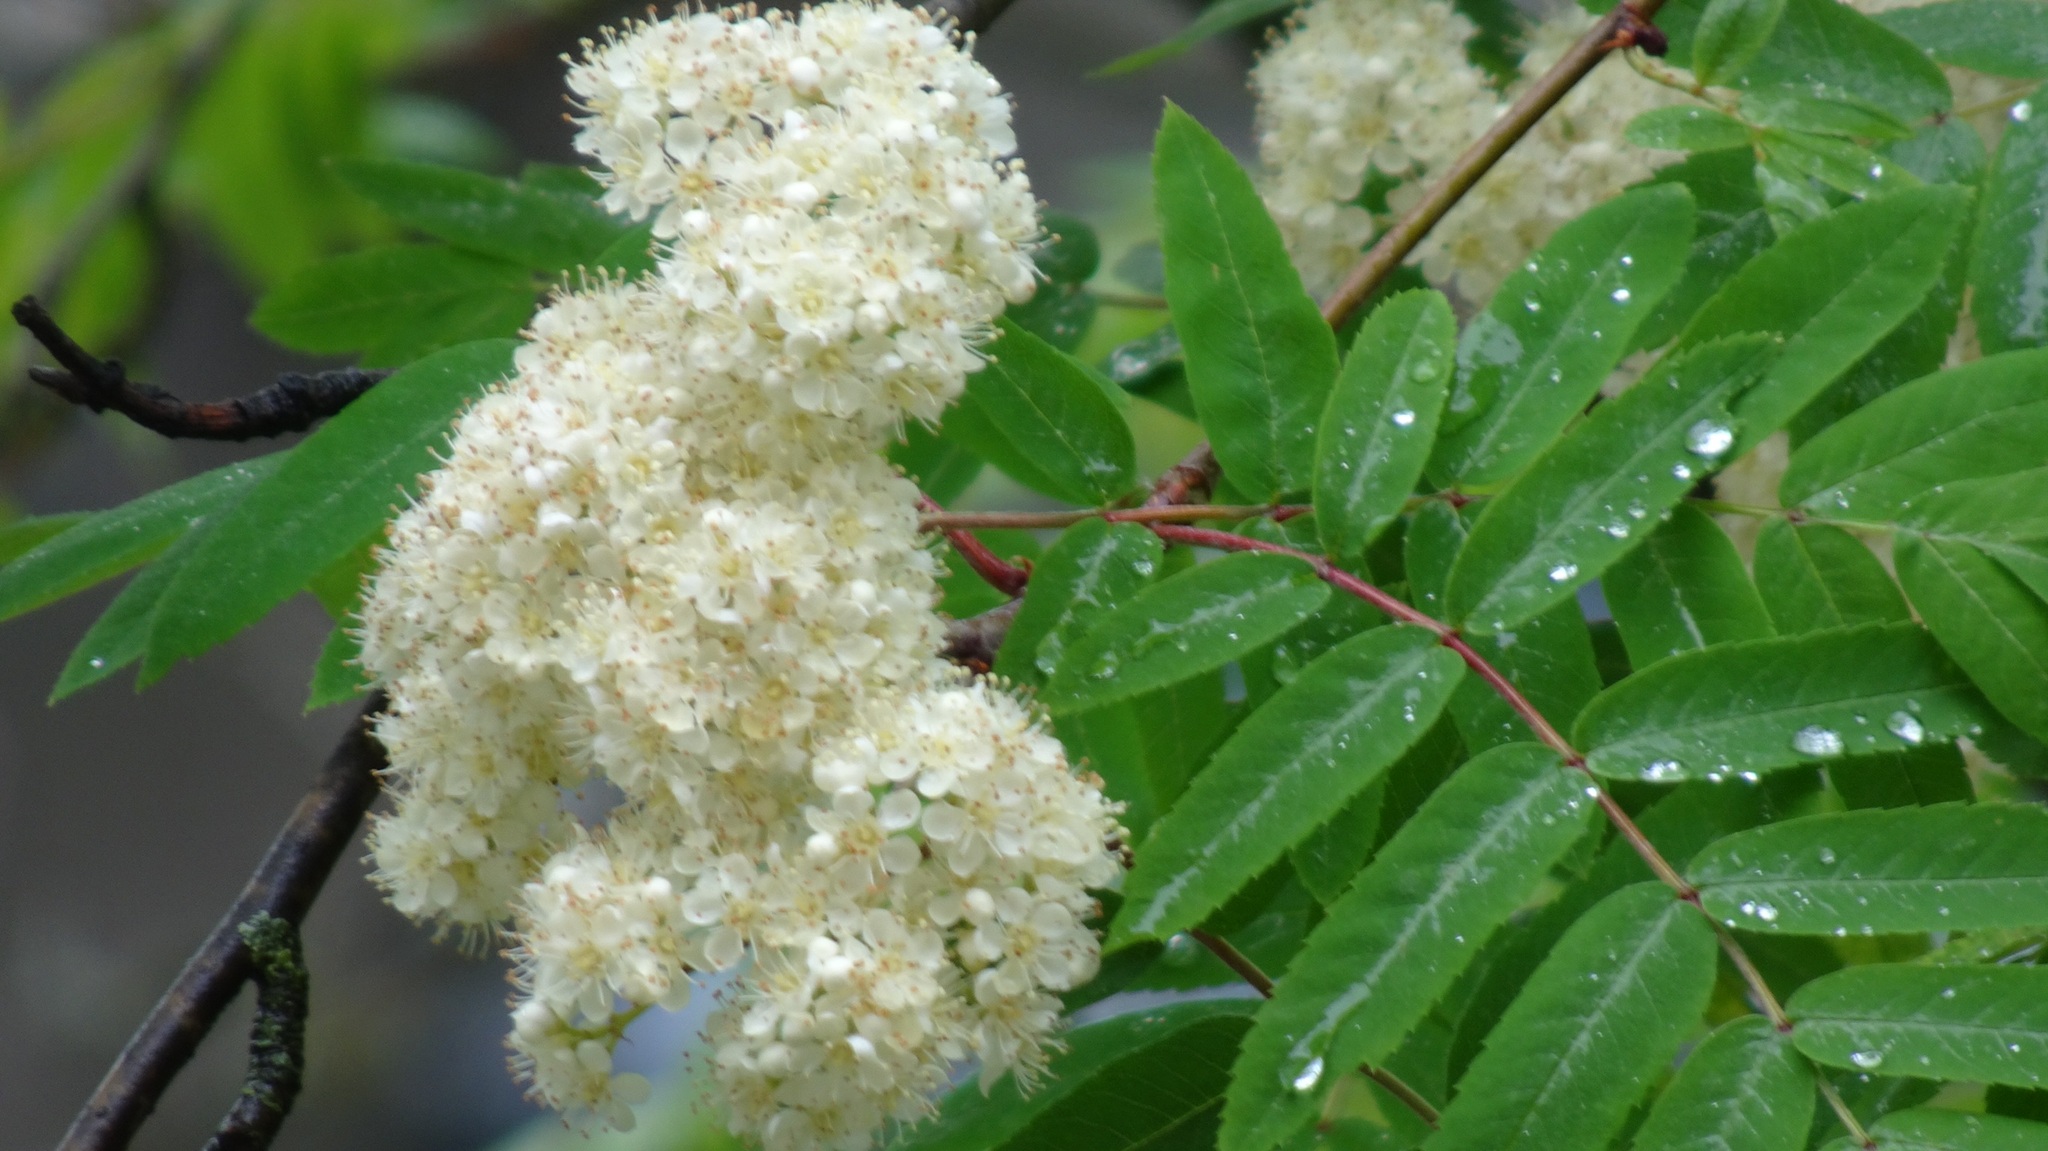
(1000, 574)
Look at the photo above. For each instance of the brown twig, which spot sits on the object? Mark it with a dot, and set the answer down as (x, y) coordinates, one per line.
(277, 1040)
(292, 404)
(999, 573)
(973, 642)
(283, 886)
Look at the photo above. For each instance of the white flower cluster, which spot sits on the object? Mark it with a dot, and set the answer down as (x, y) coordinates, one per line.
(667, 558)
(1386, 83)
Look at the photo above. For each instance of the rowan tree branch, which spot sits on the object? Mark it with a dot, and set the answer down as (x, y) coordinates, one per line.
(283, 887)
(277, 1040)
(294, 403)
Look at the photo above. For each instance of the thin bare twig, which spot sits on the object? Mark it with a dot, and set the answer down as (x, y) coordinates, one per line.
(283, 886)
(973, 642)
(277, 1040)
(294, 403)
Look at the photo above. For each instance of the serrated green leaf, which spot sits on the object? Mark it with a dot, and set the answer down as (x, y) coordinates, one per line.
(1883, 871)
(1832, 289)
(1733, 229)
(1091, 568)
(1833, 51)
(1392, 945)
(1922, 777)
(1683, 590)
(1260, 361)
(1530, 362)
(1584, 503)
(1193, 622)
(1172, 1061)
(336, 678)
(1687, 128)
(1071, 253)
(1848, 168)
(538, 225)
(1927, 1129)
(1992, 511)
(121, 633)
(1730, 34)
(1328, 858)
(1766, 704)
(1290, 766)
(1986, 418)
(1216, 18)
(1744, 1089)
(19, 536)
(631, 256)
(110, 542)
(1813, 577)
(1034, 412)
(1988, 1024)
(1594, 1026)
(1381, 420)
(2001, 37)
(942, 469)
(1802, 112)
(1549, 659)
(1986, 619)
(1791, 198)
(2009, 253)
(334, 489)
(1147, 748)
(397, 303)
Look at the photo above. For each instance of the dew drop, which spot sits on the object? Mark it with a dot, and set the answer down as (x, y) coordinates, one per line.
(1532, 305)
(1680, 472)
(1663, 771)
(1310, 1075)
(1563, 572)
(1816, 741)
(1621, 295)
(1868, 1060)
(1628, 261)
(1948, 993)
(1402, 418)
(1709, 439)
(1906, 727)
(1827, 855)
(2022, 112)
(96, 663)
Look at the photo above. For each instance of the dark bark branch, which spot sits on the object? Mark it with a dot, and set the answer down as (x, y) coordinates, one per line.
(277, 1041)
(973, 15)
(283, 886)
(294, 403)
(973, 642)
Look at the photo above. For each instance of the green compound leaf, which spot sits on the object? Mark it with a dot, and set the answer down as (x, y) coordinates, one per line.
(1091, 568)
(1683, 590)
(1814, 577)
(1291, 765)
(1381, 420)
(1176, 629)
(1038, 415)
(540, 224)
(1392, 945)
(1926, 1129)
(1987, 418)
(2002, 37)
(1800, 112)
(1597, 1022)
(1687, 128)
(1585, 502)
(121, 633)
(1530, 362)
(336, 488)
(1733, 229)
(2009, 254)
(1832, 290)
(1744, 708)
(1831, 51)
(1332, 856)
(1845, 167)
(1730, 34)
(1987, 620)
(19, 536)
(1892, 871)
(113, 541)
(1987, 1024)
(1131, 1080)
(397, 303)
(1260, 359)
(1744, 1089)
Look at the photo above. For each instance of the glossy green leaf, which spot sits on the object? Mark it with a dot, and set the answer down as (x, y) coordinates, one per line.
(1732, 229)
(121, 633)
(1260, 359)
(1163, 1067)
(1090, 569)
(1744, 1089)
(1147, 748)
(1381, 420)
(336, 678)
(1730, 34)
(1216, 18)
(1597, 1022)
(397, 303)
(1532, 360)
(1683, 590)
(1586, 502)
(538, 225)
(1986, 418)
(941, 468)
(1988, 1024)
(1992, 511)
(2002, 37)
(113, 541)
(1882, 871)
(1831, 290)
(1927, 1129)
(1838, 164)
(333, 490)
(1830, 50)
(1813, 577)
(1792, 199)
(2009, 253)
(17, 537)
(1687, 128)
(1922, 777)
(1291, 765)
(1331, 856)
(1392, 945)
(1801, 112)
(1986, 619)
(631, 256)
(1744, 708)
(1034, 412)
(1180, 627)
